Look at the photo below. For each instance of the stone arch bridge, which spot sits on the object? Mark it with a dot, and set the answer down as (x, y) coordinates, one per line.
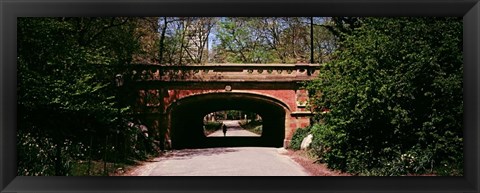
(172, 100)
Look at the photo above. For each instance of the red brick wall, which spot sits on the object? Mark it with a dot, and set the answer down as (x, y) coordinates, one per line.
(286, 96)
(291, 98)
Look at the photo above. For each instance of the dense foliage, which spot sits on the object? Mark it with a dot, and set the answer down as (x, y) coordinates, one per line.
(254, 126)
(68, 105)
(391, 100)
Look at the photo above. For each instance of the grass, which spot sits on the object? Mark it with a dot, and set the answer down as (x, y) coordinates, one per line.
(252, 126)
(97, 168)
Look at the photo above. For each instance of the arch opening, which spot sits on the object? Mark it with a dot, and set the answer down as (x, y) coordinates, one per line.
(187, 120)
(232, 123)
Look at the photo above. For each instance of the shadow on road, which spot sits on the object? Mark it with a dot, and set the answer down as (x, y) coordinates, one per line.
(189, 153)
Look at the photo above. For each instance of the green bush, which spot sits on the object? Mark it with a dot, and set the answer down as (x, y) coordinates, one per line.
(42, 155)
(211, 126)
(297, 137)
(392, 99)
(253, 126)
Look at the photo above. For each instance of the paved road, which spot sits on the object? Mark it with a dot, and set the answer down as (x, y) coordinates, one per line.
(243, 161)
(233, 129)
(239, 161)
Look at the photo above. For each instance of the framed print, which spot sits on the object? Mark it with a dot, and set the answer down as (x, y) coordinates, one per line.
(74, 72)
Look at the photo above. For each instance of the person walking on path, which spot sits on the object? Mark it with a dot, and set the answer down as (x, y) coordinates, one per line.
(224, 130)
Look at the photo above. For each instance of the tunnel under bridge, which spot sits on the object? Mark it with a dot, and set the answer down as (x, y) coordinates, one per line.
(172, 100)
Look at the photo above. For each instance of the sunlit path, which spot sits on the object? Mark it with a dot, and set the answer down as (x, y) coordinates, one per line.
(243, 161)
(233, 130)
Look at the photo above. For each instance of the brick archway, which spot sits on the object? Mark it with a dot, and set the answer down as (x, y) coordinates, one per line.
(276, 87)
(186, 118)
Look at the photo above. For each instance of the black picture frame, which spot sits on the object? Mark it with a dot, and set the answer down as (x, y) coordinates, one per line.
(10, 10)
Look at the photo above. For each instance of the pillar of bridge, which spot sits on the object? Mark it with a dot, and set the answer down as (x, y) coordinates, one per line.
(299, 117)
(163, 137)
(164, 132)
(294, 121)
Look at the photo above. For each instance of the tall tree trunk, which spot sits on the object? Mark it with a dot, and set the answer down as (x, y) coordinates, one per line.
(182, 40)
(311, 41)
(203, 45)
(162, 39)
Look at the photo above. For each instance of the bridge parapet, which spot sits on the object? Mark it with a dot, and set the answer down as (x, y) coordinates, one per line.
(226, 72)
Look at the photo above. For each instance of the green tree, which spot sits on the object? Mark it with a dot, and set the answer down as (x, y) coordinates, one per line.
(66, 86)
(239, 42)
(271, 40)
(392, 98)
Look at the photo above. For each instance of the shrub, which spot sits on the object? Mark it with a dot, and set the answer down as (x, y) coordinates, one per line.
(41, 155)
(253, 126)
(394, 95)
(298, 136)
(211, 126)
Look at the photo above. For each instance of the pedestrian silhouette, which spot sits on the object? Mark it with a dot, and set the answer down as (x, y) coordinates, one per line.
(224, 130)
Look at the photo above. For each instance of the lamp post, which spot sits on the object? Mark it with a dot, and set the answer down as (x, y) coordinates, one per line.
(119, 80)
(119, 84)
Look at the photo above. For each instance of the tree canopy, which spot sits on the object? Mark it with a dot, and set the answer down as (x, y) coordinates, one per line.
(272, 40)
(66, 84)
